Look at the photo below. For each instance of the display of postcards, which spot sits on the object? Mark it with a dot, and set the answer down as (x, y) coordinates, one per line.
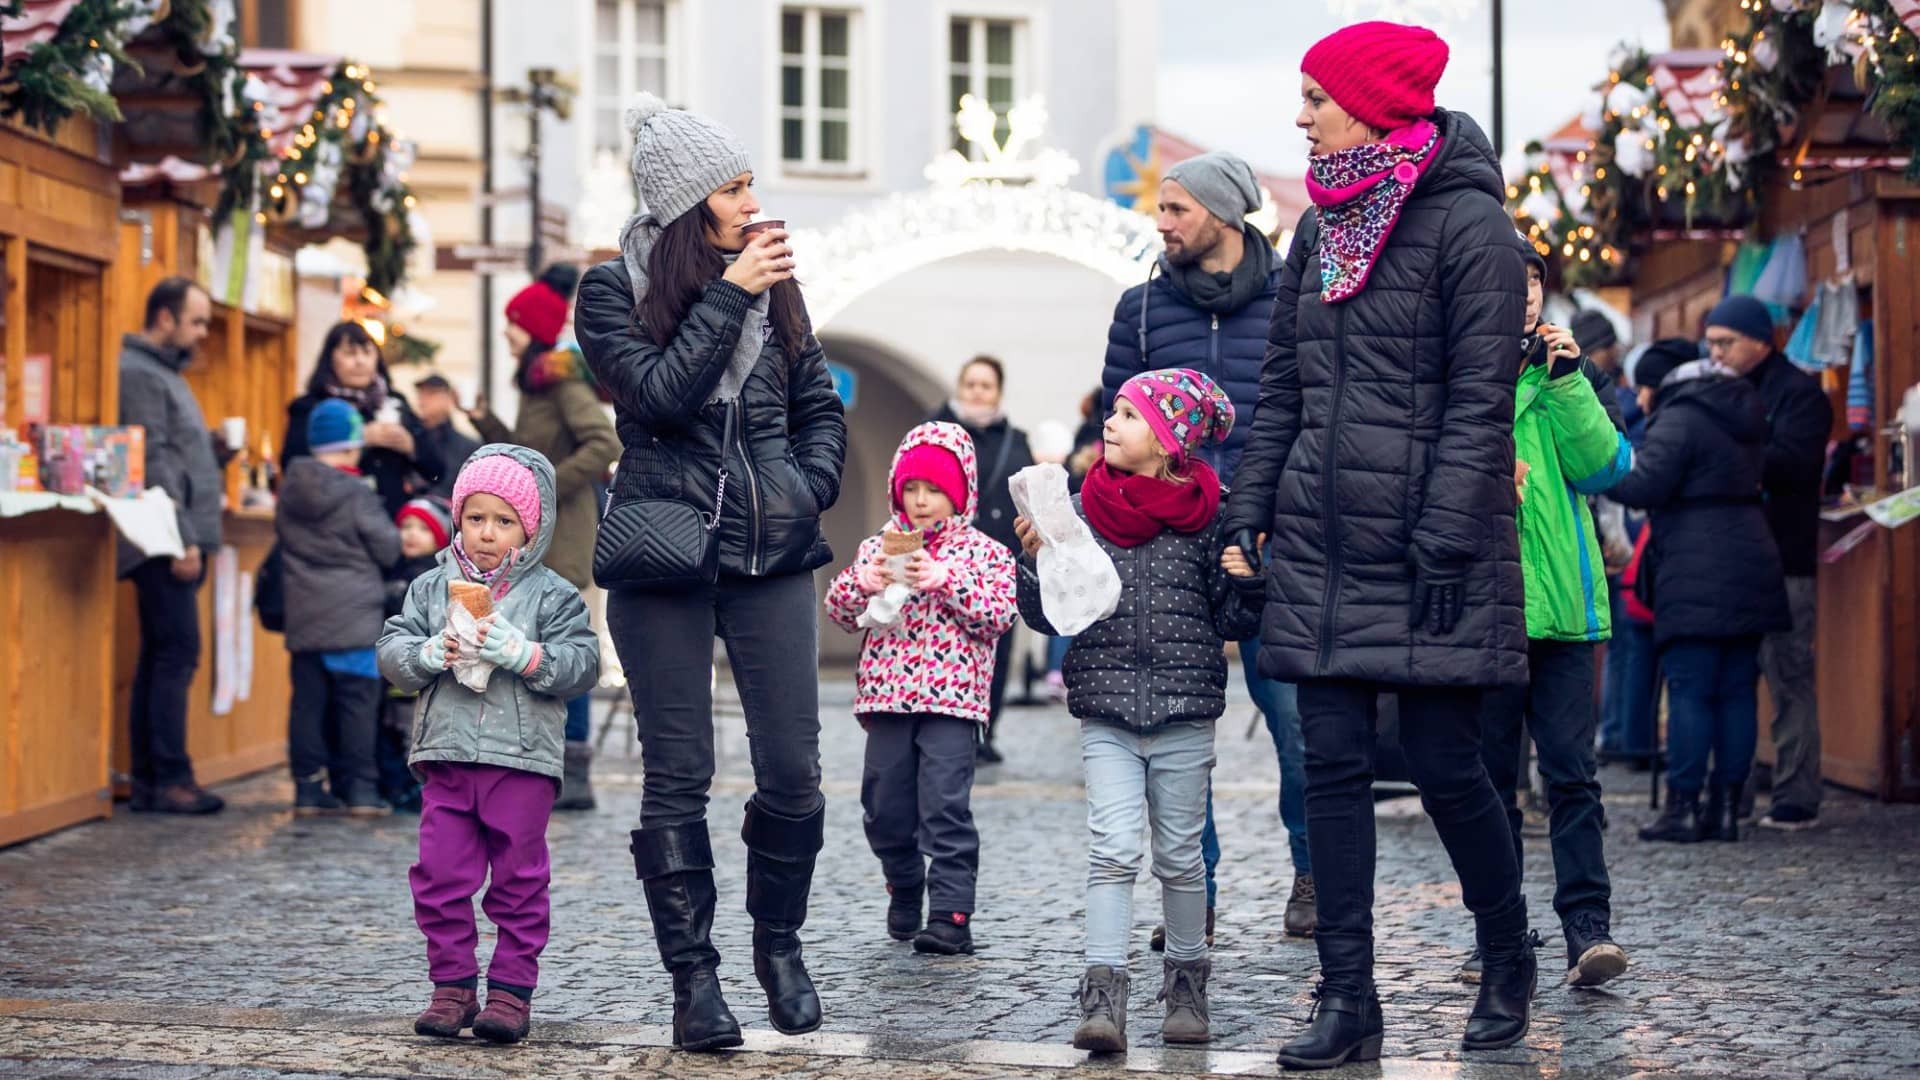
(74, 456)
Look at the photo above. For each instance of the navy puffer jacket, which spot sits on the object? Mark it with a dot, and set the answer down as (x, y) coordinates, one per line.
(1229, 349)
(1384, 435)
(1160, 657)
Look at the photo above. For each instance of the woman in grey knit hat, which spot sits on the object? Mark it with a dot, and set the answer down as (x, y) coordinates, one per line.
(722, 400)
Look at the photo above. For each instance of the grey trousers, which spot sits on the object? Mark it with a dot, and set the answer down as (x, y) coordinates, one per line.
(1787, 659)
(917, 793)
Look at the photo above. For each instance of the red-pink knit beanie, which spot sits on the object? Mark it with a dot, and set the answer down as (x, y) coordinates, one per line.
(1381, 73)
(500, 475)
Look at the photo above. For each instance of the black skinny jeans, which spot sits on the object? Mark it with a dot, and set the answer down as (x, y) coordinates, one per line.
(665, 642)
(169, 653)
(1440, 731)
(1557, 709)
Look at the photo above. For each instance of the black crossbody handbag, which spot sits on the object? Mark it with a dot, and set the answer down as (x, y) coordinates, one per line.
(662, 545)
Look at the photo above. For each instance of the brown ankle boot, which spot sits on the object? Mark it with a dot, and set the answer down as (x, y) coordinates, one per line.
(452, 1008)
(504, 1020)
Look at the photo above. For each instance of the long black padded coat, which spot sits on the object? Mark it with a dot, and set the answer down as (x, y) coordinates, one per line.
(1160, 658)
(1385, 428)
(784, 465)
(1712, 560)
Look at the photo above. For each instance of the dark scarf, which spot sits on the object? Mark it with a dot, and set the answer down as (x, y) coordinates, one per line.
(367, 399)
(1360, 192)
(1131, 509)
(1226, 293)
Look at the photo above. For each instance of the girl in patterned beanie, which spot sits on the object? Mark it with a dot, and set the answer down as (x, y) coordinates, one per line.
(923, 686)
(1147, 684)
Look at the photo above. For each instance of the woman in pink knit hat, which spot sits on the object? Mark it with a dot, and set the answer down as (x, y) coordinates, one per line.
(1381, 462)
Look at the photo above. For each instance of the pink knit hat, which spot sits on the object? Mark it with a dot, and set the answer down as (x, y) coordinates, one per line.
(1381, 73)
(1183, 407)
(500, 475)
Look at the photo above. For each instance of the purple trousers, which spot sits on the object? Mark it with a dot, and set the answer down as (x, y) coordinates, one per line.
(476, 818)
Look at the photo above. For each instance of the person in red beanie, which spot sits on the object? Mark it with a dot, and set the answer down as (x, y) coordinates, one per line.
(924, 682)
(1396, 564)
(563, 417)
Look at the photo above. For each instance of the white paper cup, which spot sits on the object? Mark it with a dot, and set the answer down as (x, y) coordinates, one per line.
(235, 429)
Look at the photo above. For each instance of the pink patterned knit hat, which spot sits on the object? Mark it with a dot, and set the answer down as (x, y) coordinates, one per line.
(500, 475)
(1182, 406)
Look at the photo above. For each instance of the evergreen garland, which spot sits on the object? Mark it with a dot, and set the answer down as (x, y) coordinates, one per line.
(49, 83)
(1891, 56)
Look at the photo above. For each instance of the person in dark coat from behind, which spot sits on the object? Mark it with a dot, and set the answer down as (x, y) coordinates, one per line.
(1717, 585)
(1003, 451)
(1381, 462)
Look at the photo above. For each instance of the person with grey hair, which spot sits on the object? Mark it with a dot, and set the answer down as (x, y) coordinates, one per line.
(1205, 306)
(723, 405)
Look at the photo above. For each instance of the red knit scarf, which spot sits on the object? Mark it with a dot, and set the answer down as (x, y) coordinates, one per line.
(1130, 509)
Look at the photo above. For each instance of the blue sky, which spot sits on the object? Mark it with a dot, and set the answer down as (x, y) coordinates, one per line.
(1230, 69)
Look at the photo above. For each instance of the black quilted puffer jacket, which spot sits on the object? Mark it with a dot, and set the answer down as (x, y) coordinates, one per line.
(783, 469)
(1159, 658)
(1385, 431)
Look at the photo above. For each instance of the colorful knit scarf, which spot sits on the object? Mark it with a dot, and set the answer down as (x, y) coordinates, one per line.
(1360, 191)
(367, 399)
(496, 578)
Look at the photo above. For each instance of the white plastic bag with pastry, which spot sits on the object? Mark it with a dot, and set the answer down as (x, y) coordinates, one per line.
(1078, 583)
(884, 607)
(467, 604)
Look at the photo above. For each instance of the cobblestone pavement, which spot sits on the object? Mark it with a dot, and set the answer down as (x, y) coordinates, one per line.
(251, 944)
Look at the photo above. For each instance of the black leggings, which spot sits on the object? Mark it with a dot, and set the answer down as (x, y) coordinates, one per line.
(665, 642)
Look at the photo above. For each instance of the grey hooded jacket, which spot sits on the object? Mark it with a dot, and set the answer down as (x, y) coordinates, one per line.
(517, 722)
(180, 461)
(335, 539)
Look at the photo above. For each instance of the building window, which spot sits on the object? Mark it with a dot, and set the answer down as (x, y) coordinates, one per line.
(985, 58)
(629, 55)
(818, 128)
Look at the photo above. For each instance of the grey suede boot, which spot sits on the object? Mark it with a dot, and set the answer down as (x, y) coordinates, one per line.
(1103, 1011)
(1184, 989)
(576, 781)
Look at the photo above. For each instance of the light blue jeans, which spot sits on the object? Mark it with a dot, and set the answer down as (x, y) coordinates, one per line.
(1159, 779)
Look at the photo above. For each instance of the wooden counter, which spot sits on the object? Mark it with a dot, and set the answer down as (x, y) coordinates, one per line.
(252, 736)
(56, 596)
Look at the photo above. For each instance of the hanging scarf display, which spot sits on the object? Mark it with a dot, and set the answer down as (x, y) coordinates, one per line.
(1360, 192)
(1130, 509)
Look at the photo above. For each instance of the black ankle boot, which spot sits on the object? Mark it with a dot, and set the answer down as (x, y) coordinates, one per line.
(1508, 976)
(904, 918)
(780, 854)
(1679, 823)
(675, 863)
(1707, 826)
(1340, 1029)
(1726, 822)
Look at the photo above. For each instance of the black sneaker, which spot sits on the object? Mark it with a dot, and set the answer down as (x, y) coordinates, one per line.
(948, 933)
(363, 801)
(903, 912)
(311, 799)
(188, 798)
(1790, 818)
(1592, 956)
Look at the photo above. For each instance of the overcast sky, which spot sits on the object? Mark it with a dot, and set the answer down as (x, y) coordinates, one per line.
(1230, 69)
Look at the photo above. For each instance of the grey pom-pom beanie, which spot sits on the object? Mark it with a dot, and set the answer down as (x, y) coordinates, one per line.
(1222, 182)
(679, 158)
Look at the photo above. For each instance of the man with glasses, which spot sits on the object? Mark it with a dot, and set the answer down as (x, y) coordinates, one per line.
(1799, 421)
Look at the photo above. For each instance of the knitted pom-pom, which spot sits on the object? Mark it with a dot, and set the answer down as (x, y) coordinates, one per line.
(642, 108)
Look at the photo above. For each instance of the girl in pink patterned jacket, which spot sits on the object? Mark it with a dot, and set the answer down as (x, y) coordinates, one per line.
(922, 688)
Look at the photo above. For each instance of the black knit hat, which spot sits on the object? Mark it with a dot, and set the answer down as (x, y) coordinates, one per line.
(1593, 330)
(1661, 358)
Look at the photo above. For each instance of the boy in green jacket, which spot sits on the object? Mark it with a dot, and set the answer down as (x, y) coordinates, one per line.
(1566, 448)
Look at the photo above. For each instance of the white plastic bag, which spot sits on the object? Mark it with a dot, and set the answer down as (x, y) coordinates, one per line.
(884, 608)
(472, 671)
(1078, 583)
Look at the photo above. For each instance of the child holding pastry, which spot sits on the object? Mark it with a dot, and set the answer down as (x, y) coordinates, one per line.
(922, 691)
(489, 760)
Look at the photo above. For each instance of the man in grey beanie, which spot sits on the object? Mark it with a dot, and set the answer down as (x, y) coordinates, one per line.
(1205, 306)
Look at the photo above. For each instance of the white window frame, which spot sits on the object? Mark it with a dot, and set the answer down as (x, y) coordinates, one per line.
(1031, 56)
(810, 112)
(978, 69)
(670, 52)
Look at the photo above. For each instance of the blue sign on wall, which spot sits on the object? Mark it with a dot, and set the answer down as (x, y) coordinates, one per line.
(845, 383)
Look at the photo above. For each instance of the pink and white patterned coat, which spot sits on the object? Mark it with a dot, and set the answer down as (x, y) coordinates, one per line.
(939, 657)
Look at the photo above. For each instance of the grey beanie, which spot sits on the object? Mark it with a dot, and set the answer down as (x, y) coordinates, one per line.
(1223, 182)
(679, 158)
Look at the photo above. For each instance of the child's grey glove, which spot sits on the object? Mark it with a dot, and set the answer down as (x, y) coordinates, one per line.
(505, 646)
(433, 653)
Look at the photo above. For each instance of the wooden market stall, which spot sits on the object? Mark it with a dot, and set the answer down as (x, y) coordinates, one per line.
(58, 200)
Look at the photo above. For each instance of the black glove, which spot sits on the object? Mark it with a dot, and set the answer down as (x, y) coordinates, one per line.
(1248, 541)
(1563, 366)
(1439, 594)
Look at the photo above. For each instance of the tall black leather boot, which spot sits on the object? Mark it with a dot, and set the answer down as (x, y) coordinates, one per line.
(780, 855)
(1509, 973)
(1727, 821)
(675, 864)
